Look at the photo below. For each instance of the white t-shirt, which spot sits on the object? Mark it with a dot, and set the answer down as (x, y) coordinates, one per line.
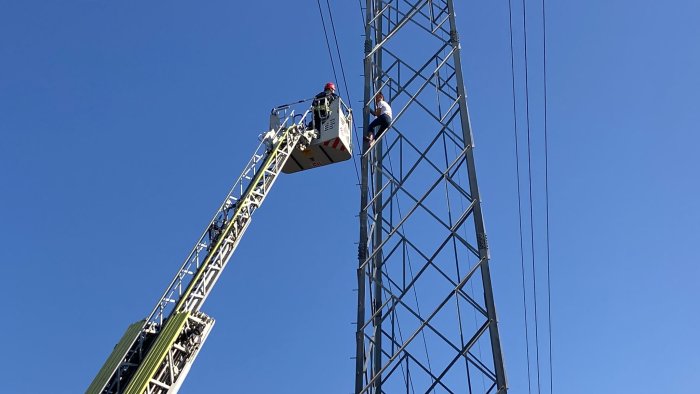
(383, 108)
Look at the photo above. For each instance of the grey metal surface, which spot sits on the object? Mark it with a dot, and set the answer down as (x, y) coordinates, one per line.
(426, 317)
(360, 353)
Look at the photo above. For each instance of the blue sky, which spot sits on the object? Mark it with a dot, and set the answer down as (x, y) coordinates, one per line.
(123, 125)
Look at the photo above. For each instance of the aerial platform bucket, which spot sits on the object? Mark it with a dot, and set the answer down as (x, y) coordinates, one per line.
(334, 144)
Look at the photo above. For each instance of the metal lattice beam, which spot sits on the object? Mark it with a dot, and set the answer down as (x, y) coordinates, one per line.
(426, 319)
(202, 268)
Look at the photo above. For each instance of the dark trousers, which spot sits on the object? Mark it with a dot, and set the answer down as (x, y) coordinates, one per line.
(383, 122)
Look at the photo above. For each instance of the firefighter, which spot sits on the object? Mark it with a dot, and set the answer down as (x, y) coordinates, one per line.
(321, 105)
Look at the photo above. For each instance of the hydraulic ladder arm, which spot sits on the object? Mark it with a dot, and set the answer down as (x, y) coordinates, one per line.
(155, 354)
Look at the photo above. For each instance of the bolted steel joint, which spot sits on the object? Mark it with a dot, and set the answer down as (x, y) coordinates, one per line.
(482, 241)
(454, 38)
(362, 252)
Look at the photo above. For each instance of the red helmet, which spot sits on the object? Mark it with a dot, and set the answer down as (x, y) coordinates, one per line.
(329, 85)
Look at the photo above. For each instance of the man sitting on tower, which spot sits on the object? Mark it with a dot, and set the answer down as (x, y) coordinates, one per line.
(382, 111)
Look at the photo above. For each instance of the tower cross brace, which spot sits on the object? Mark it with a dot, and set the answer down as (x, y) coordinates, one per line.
(426, 318)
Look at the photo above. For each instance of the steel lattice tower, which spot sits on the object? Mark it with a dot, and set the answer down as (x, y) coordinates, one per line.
(426, 320)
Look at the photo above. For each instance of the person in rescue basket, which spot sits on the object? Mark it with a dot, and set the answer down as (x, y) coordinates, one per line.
(321, 105)
(382, 111)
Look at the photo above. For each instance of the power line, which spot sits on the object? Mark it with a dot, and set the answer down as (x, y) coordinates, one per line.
(362, 13)
(532, 225)
(345, 83)
(337, 48)
(335, 75)
(520, 216)
(325, 34)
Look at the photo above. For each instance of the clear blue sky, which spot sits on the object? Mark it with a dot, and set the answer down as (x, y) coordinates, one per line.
(123, 124)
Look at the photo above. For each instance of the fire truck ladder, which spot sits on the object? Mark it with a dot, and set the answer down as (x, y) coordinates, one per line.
(155, 354)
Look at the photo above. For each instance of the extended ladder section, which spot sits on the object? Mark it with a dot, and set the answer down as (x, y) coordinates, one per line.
(155, 354)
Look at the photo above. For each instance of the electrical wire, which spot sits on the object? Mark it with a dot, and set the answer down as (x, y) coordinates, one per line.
(325, 34)
(520, 215)
(532, 225)
(362, 14)
(347, 89)
(337, 48)
(335, 74)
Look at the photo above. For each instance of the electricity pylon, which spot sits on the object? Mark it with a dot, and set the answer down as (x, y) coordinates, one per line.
(426, 320)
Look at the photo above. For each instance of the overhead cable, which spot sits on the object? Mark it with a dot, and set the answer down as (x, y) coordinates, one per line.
(532, 225)
(520, 215)
(335, 75)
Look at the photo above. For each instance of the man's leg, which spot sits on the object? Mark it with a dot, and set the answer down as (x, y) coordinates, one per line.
(370, 132)
(384, 122)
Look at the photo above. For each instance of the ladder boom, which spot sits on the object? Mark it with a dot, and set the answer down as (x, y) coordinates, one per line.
(165, 368)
